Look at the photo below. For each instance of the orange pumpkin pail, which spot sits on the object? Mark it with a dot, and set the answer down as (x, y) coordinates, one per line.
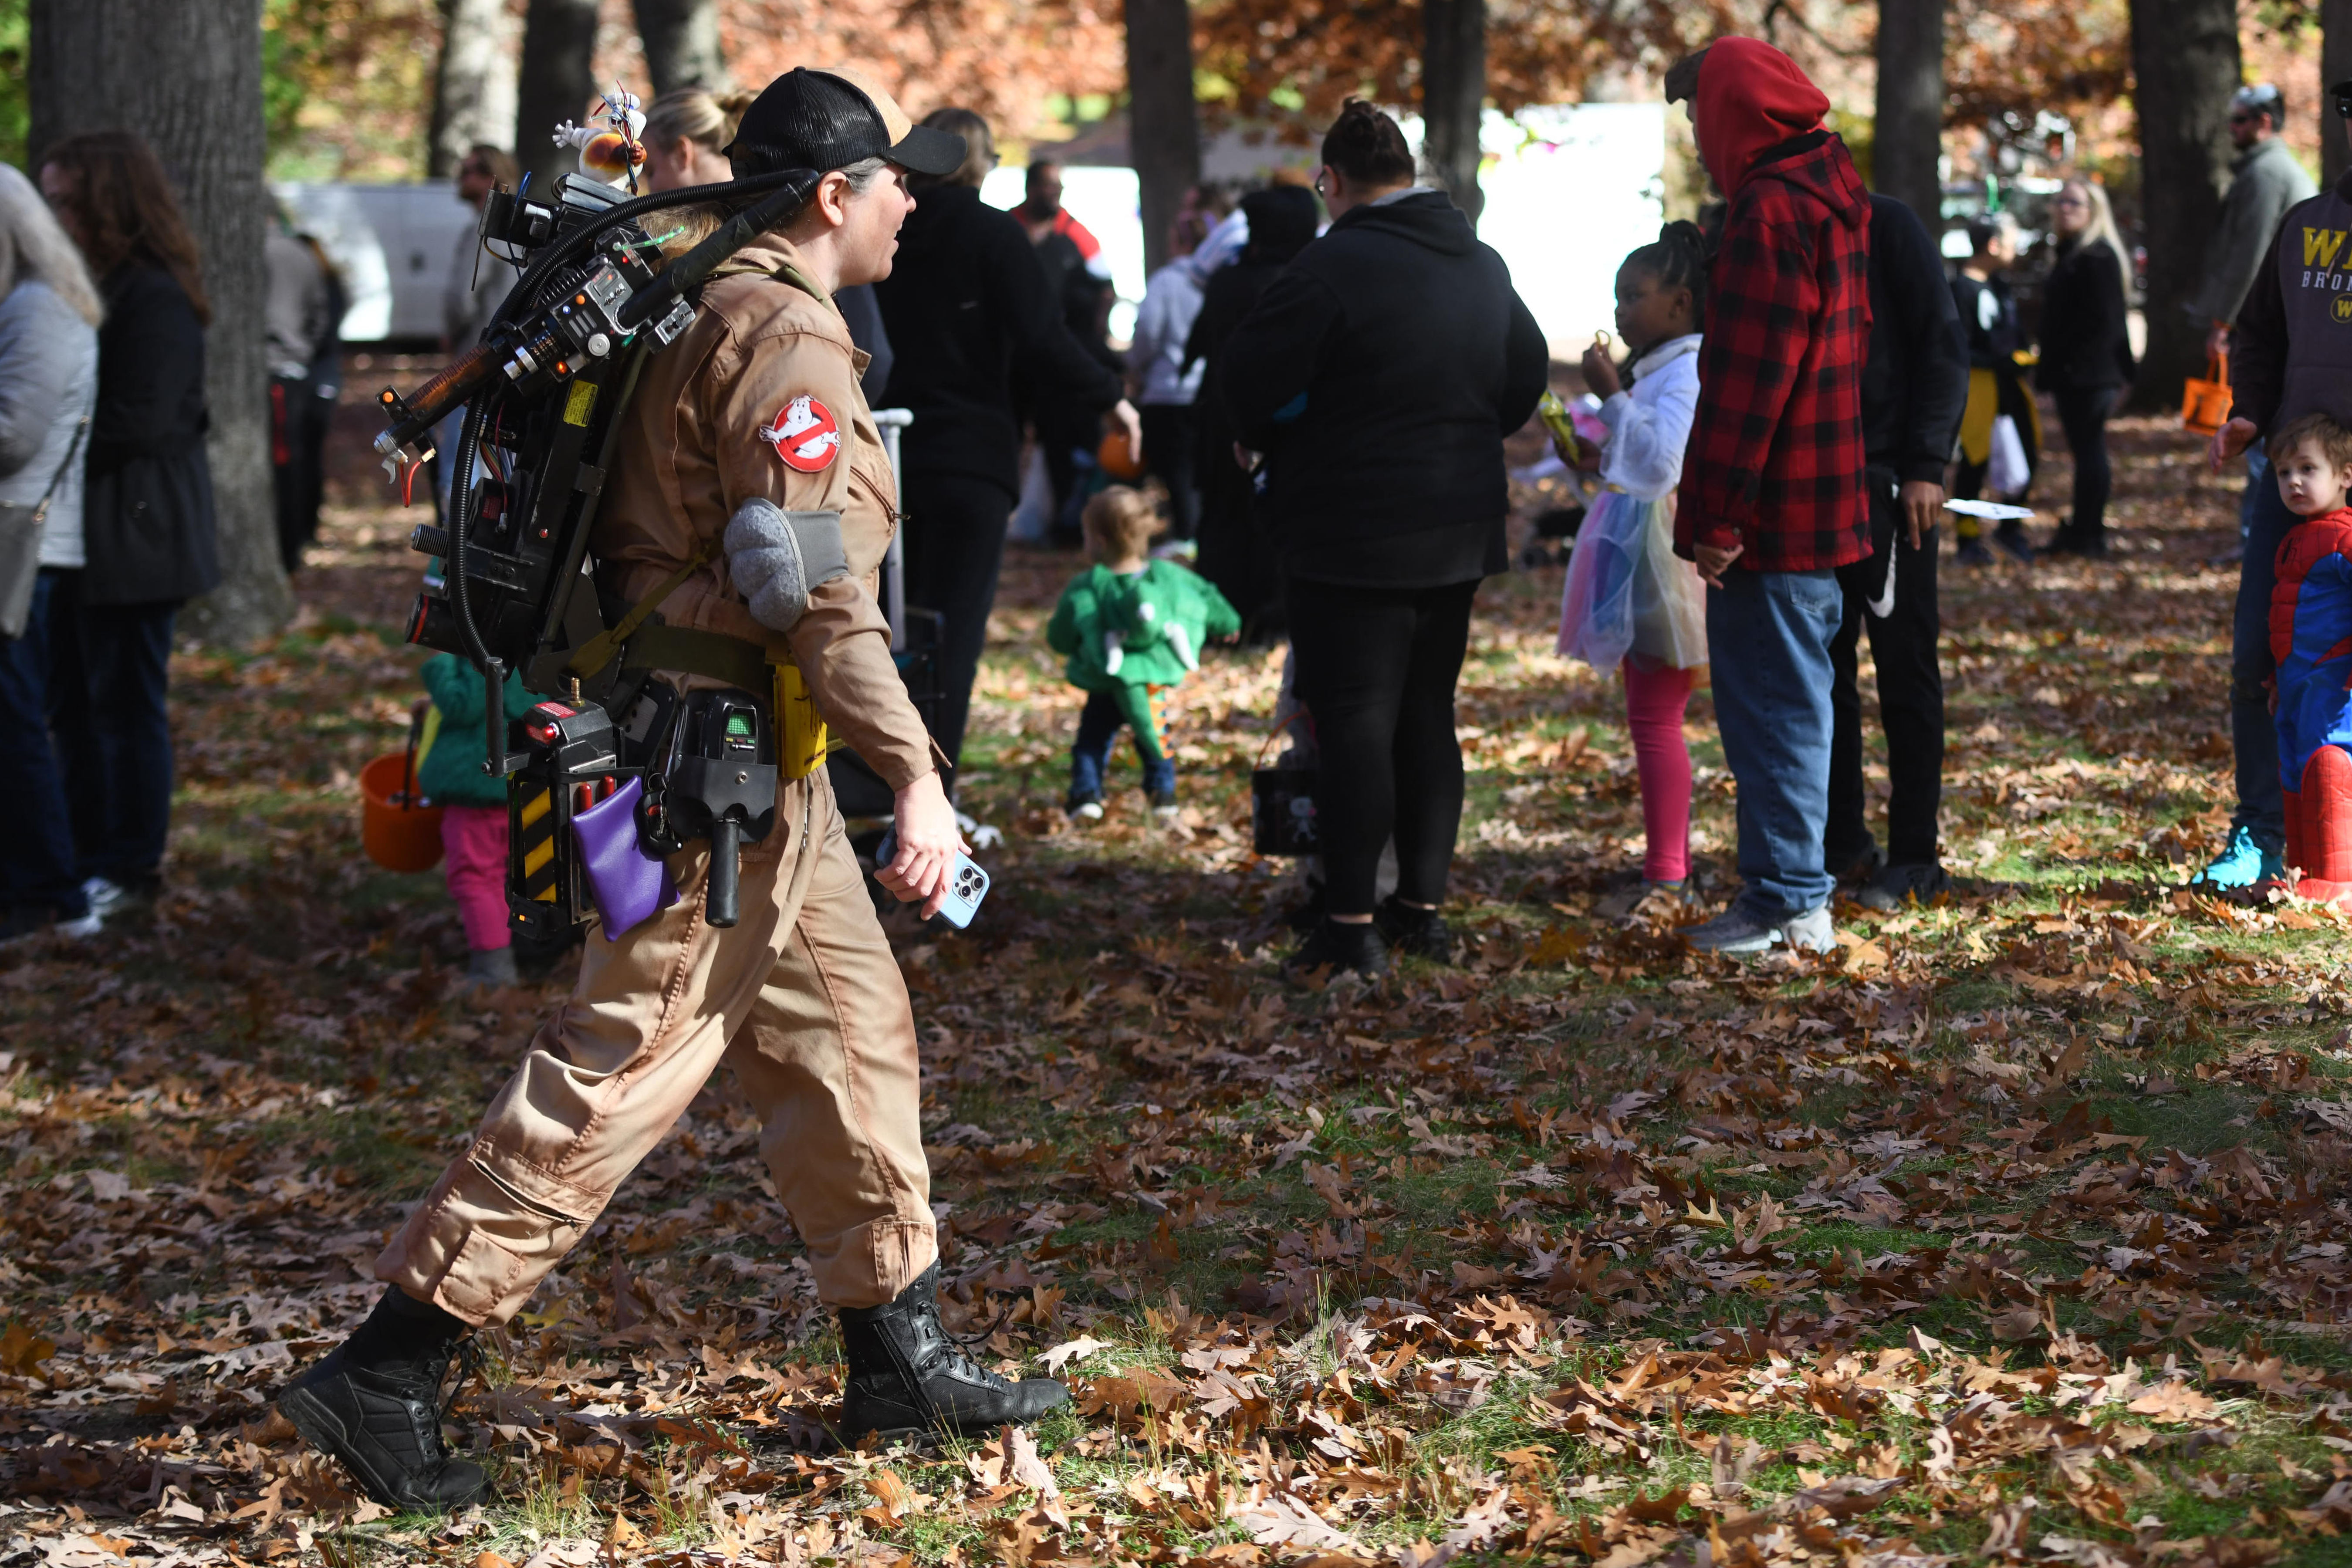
(398, 835)
(2205, 401)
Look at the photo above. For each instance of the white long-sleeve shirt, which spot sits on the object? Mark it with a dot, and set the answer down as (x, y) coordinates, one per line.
(1650, 425)
(1171, 300)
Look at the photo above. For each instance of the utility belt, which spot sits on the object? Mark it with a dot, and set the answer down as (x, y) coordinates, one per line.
(802, 741)
(598, 807)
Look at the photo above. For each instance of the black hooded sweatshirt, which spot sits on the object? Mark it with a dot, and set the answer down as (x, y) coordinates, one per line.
(1380, 373)
(965, 303)
(1915, 383)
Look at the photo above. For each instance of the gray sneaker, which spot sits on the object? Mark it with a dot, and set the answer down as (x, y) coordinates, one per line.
(1737, 933)
(1810, 932)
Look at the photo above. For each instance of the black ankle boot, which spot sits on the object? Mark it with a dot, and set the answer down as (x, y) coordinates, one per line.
(907, 1376)
(375, 1403)
(1341, 946)
(1421, 932)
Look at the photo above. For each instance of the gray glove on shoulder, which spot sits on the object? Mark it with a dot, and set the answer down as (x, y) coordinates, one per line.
(780, 558)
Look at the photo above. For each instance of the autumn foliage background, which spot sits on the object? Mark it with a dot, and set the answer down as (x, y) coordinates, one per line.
(349, 82)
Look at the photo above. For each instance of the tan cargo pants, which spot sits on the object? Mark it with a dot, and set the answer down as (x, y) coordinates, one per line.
(802, 998)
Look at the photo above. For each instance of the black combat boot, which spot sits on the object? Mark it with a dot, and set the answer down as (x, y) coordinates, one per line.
(907, 1376)
(375, 1403)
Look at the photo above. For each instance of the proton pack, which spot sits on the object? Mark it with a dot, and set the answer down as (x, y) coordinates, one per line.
(511, 586)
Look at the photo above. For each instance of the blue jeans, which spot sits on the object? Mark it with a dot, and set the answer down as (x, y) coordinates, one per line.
(109, 667)
(2253, 734)
(1769, 635)
(36, 855)
(2258, 474)
(1100, 722)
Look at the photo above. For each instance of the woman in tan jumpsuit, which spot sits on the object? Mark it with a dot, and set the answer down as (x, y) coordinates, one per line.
(754, 413)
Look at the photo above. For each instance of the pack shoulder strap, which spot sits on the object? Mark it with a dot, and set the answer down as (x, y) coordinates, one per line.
(599, 650)
(783, 273)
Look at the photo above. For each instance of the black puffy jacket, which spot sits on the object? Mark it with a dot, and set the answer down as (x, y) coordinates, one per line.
(1380, 373)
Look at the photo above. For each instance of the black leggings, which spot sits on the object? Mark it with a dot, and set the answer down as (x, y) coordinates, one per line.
(955, 544)
(2083, 413)
(1376, 670)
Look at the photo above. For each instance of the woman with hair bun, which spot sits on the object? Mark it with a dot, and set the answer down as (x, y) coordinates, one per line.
(685, 129)
(1378, 374)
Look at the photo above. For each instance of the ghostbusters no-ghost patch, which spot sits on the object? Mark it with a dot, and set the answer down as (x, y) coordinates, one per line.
(804, 435)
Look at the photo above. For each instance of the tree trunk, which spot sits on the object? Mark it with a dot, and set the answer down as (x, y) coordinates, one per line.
(681, 39)
(2184, 65)
(559, 83)
(1453, 94)
(1907, 140)
(474, 86)
(2334, 66)
(1163, 133)
(93, 66)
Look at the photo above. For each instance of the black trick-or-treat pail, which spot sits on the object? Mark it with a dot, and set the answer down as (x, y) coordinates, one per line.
(1282, 811)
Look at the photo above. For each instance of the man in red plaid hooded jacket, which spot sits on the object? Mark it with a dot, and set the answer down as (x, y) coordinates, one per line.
(1772, 497)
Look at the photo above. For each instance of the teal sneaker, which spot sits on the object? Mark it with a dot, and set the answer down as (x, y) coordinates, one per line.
(2247, 862)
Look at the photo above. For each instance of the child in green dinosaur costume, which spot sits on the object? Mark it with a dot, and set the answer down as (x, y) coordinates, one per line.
(1131, 628)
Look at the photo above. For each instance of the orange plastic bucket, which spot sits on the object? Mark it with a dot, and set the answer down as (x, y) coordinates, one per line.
(1116, 459)
(396, 836)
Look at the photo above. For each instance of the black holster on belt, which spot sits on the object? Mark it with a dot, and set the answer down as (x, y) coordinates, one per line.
(716, 779)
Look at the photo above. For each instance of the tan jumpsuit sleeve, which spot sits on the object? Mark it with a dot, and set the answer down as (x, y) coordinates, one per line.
(843, 643)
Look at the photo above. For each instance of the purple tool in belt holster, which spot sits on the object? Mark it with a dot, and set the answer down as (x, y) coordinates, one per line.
(629, 884)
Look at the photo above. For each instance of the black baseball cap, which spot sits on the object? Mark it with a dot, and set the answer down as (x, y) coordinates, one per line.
(830, 119)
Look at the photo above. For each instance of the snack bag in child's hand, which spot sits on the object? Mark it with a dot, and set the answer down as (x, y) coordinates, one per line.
(1557, 419)
(1577, 435)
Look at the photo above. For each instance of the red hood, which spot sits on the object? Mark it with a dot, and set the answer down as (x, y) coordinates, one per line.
(1750, 97)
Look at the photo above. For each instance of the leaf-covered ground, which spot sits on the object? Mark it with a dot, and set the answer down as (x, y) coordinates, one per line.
(2016, 1230)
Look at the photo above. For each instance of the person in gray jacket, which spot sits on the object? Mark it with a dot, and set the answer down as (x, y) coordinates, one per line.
(2264, 181)
(50, 312)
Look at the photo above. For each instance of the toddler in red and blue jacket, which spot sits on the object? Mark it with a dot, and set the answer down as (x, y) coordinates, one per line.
(2311, 638)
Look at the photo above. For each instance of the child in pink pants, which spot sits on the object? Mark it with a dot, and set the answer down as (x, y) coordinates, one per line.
(473, 842)
(1629, 604)
(473, 811)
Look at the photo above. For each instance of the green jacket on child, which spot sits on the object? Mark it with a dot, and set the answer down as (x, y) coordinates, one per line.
(1144, 629)
(451, 773)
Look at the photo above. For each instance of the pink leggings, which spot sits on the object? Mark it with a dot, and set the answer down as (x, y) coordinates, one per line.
(474, 839)
(1655, 697)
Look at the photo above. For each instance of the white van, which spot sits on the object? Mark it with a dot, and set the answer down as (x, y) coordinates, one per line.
(394, 245)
